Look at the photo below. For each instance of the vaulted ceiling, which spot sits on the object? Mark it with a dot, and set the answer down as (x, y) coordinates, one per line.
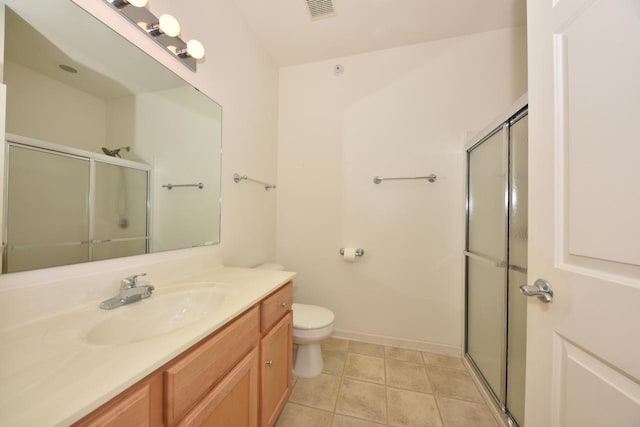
(288, 34)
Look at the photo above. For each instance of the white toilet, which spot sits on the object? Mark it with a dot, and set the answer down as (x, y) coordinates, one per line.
(311, 325)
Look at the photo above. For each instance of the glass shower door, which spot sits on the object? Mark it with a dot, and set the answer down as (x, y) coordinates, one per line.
(64, 208)
(518, 237)
(486, 254)
(121, 198)
(47, 216)
(496, 255)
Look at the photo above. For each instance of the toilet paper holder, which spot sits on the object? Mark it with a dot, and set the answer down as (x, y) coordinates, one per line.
(359, 252)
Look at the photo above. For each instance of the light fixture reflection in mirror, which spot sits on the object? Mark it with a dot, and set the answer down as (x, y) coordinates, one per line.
(120, 97)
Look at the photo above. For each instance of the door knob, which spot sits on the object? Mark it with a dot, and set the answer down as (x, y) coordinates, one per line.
(541, 289)
(269, 363)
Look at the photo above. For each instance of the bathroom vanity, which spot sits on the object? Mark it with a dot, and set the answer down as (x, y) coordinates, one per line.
(240, 376)
(231, 365)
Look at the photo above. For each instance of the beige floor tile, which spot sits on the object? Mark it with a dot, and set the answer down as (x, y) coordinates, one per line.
(411, 409)
(366, 348)
(458, 413)
(319, 392)
(344, 421)
(335, 344)
(407, 375)
(403, 354)
(367, 368)
(333, 362)
(442, 361)
(362, 400)
(295, 416)
(453, 383)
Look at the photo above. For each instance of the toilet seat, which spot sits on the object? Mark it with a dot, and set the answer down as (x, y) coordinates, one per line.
(306, 317)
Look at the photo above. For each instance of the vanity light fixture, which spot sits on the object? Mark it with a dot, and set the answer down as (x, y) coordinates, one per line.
(194, 49)
(163, 30)
(124, 3)
(167, 24)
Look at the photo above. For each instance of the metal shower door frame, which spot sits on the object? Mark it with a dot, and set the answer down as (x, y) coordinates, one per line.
(519, 111)
(55, 149)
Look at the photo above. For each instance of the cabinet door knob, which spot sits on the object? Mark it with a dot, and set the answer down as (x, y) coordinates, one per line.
(269, 363)
(283, 304)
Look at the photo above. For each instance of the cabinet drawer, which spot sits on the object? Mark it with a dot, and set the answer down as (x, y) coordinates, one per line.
(275, 306)
(192, 376)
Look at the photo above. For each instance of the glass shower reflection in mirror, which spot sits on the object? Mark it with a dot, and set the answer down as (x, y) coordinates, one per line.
(95, 128)
(67, 207)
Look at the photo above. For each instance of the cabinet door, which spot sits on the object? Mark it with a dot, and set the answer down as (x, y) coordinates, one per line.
(189, 378)
(275, 371)
(140, 406)
(233, 402)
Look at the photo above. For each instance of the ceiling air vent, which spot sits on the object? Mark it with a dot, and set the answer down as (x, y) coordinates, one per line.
(319, 9)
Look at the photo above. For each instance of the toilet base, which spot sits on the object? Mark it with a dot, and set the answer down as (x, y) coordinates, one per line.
(308, 361)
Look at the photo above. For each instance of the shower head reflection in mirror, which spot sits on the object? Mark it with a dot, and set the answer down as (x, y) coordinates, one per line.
(115, 152)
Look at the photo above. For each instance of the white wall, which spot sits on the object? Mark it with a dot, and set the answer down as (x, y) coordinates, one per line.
(178, 132)
(397, 112)
(240, 76)
(48, 110)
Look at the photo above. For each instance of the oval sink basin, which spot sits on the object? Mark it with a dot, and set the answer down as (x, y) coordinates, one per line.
(157, 315)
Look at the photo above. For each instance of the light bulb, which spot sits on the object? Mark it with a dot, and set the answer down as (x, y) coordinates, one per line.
(195, 49)
(137, 3)
(169, 25)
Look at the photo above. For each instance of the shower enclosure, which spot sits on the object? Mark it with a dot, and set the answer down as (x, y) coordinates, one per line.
(65, 206)
(496, 262)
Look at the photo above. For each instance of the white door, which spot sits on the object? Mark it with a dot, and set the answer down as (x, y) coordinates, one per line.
(583, 355)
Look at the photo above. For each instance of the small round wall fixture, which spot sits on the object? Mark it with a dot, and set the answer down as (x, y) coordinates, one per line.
(338, 70)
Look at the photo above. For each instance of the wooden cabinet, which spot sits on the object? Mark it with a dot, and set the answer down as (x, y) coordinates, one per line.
(233, 402)
(275, 372)
(239, 376)
(190, 377)
(275, 306)
(140, 405)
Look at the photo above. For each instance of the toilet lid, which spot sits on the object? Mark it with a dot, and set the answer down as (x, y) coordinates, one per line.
(311, 316)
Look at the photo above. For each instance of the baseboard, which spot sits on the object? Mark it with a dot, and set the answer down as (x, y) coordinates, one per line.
(447, 350)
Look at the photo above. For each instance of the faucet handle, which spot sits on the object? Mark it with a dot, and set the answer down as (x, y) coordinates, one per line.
(131, 281)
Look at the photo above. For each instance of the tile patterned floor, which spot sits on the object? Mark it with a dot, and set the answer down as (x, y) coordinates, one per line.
(369, 385)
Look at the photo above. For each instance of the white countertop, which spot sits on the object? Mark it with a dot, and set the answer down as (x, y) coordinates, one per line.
(50, 375)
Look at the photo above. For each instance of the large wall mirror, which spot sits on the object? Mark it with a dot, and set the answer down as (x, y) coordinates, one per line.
(107, 152)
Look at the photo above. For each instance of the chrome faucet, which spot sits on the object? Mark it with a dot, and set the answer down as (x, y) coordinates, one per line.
(129, 292)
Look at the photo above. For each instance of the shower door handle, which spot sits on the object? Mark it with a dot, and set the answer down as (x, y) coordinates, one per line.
(541, 289)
